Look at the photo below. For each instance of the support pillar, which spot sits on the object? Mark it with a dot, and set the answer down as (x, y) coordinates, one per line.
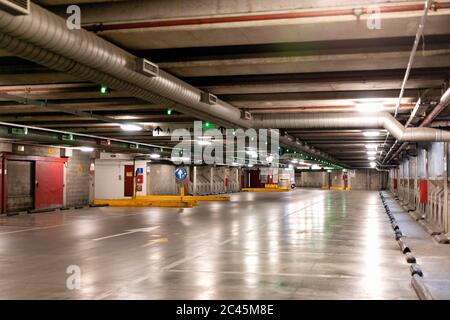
(416, 182)
(211, 180)
(194, 181)
(446, 211)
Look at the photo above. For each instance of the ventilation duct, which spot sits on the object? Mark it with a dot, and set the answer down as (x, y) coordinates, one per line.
(48, 31)
(350, 120)
(15, 7)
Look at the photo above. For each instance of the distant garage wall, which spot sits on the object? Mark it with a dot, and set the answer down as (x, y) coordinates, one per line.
(364, 179)
(368, 179)
(314, 179)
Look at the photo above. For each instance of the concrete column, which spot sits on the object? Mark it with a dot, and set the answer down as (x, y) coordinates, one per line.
(408, 184)
(446, 211)
(194, 181)
(65, 185)
(211, 180)
(416, 181)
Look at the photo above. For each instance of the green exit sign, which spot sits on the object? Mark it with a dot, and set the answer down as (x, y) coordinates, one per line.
(134, 146)
(19, 131)
(67, 137)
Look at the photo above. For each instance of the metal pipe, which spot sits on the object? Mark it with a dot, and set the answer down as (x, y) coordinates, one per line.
(256, 17)
(419, 34)
(330, 108)
(444, 101)
(82, 135)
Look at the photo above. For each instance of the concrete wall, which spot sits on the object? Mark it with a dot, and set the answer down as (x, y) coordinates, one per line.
(109, 178)
(20, 185)
(36, 151)
(161, 179)
(314, 179)
(364, 179)
(368, 179)
(77, 179)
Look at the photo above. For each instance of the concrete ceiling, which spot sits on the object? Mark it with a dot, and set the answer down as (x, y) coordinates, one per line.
(269, 64)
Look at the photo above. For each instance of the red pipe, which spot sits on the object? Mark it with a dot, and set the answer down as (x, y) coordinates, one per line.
(321, 108)
(257, 17)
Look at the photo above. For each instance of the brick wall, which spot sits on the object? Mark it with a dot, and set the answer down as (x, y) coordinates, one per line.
(77, 179)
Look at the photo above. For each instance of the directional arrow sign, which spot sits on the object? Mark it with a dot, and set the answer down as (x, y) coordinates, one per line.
(148, 229)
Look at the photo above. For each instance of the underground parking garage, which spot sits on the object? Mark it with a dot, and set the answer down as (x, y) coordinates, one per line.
(208, 150)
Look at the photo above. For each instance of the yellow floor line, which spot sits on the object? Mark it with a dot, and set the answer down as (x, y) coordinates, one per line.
(265, 189)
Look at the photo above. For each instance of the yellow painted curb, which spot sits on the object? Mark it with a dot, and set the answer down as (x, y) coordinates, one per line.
(185, 198)
(336, 188)
(265, 189)
(146, 203)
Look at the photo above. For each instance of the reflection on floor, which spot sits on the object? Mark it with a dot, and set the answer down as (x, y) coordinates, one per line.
(305, 244)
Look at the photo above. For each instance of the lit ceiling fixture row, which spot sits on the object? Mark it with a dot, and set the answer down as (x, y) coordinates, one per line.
(371, 133)
(130, 127)
(369, 107)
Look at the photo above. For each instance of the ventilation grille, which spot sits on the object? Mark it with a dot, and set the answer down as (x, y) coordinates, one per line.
(246, 115)
(146, 67)
(208, 98)
(15, 7)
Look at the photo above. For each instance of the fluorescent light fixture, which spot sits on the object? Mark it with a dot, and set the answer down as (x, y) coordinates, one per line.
(371, 158)
(155, 156)
(252, 153)
(369, 107)
(204, 142)
(371, 133)
(235, 164)
(294, 161)
(86, 149)
(371, 146)
(250, 165)
(315, 167)
(371, 153)
(130, 127)
(373, 164)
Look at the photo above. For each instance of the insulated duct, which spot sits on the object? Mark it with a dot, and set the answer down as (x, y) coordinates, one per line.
(48, 32)
(350, 120)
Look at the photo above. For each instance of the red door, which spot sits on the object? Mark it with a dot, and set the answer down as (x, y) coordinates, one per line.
(128, 181)
(49, 184)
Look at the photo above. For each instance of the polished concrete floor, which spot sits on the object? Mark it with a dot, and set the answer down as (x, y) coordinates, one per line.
(305, 244)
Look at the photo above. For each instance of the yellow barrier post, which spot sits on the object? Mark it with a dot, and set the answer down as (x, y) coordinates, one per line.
(182, 190)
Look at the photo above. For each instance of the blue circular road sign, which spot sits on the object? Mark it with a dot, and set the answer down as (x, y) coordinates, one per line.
(180, 174)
